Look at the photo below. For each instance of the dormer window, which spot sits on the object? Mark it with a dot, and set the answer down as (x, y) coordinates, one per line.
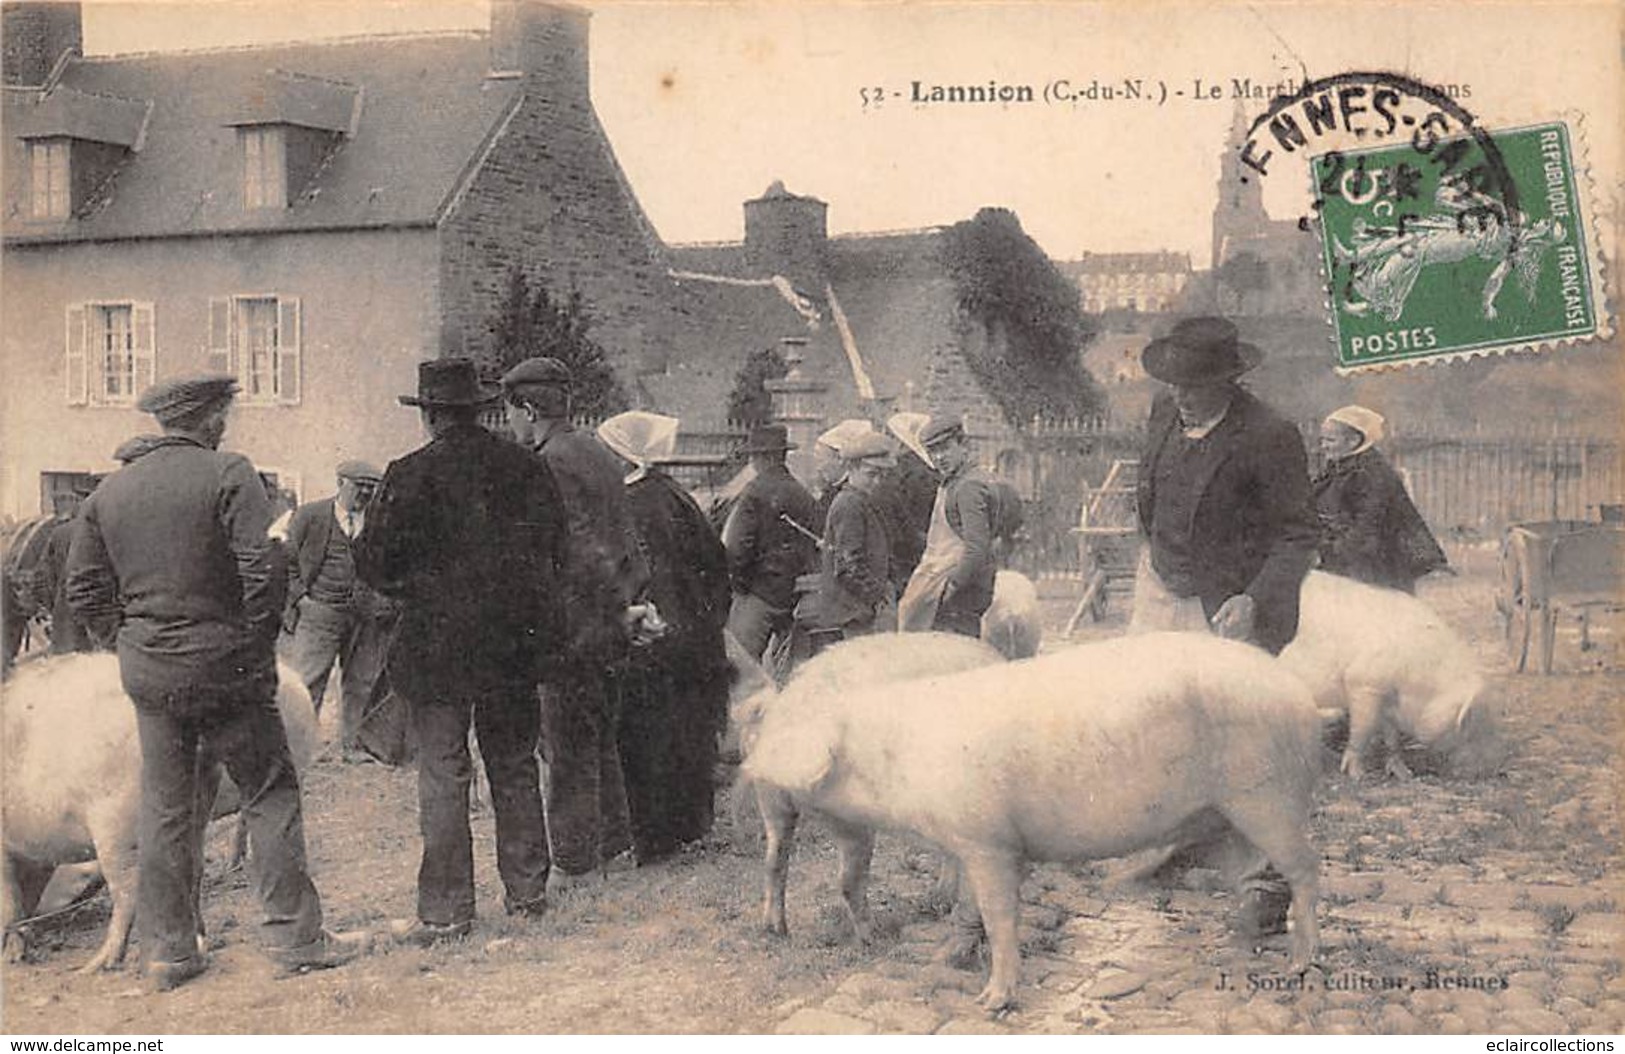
(265, 167)
(50, 185)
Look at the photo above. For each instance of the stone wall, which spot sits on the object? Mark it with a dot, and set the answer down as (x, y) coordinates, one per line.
(550, 198)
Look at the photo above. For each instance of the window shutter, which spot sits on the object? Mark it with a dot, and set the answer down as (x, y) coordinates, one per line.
(143, 347)
(77, 378)
(220, 359)
(287, 350)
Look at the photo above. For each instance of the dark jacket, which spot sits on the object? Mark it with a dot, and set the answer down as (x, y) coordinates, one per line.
(688, 574)
(309, 529)
(1369, 527)
(172, 551)
(603, 568)
(1252, 526)
(765, 554)
(856, 576)
(467, 533)
(972, 504)
(906, 496)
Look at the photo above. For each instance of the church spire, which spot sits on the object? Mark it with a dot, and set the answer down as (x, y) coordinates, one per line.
(1240, 208)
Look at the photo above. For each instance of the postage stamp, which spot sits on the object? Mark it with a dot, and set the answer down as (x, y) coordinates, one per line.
(1430, 256)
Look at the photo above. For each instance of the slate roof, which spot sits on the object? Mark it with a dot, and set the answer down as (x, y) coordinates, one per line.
(425, 106)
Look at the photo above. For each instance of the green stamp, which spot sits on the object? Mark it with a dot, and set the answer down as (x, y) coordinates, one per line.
(1431, 257)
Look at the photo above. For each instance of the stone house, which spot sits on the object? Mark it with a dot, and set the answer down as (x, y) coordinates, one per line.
(315, 218)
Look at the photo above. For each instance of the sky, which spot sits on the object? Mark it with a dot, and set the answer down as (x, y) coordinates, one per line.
(706, 104)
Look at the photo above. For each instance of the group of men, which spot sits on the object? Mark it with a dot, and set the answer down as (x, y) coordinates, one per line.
(489, 570)
(497, 570)
(895, 539)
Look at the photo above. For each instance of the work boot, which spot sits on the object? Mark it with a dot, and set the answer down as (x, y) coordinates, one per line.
(420, 934)
(328, 950)
(534, 908)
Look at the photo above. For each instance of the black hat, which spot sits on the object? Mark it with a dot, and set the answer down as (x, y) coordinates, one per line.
(538, 370)
(1206, 350)
(449, 382)
(764, 439)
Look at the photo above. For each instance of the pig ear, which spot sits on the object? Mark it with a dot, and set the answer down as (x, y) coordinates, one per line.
(796, 756)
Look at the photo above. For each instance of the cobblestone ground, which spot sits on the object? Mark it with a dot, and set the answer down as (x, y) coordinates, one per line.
(1447, 906)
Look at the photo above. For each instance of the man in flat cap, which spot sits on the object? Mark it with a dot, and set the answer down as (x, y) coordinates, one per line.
(467, 535)
(771, 541)
(855, 592)
(171, 554)
(330, 614)
(1224, 505)
(953, 584)
(604, 575)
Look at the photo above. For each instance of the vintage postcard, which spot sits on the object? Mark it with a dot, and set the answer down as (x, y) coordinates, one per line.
(1246, 376)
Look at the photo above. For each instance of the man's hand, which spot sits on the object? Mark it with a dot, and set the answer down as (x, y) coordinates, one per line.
(290, 619)
(1234, 619)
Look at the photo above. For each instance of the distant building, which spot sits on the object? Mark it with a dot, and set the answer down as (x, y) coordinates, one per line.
(1145, 282)
(871, 320)
(315, 218)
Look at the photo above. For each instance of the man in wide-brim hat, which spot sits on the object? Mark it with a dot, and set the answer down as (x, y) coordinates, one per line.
(467, 533)
(1224, 505)
(769, 537)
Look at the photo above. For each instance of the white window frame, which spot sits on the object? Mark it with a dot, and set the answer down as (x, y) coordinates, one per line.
(264, 149)
(86, 366)
(226, 352)
(50, 172)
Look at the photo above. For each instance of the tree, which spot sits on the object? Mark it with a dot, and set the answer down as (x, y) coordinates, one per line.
(750, 403)
(1005, 282)
(531, 322)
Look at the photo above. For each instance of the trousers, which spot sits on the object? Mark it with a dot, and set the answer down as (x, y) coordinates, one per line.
(179, 752)
(588, 819)
(505, 721)
(358, 641)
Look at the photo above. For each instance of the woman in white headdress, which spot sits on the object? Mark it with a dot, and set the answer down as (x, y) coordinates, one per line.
(1369, 527)
(673, 689)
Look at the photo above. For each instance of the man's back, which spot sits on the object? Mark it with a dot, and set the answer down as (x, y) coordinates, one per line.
(467, 532)
(174, 545)
(766, 554)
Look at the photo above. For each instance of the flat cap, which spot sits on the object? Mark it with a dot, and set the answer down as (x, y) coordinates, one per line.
(538, 370)
(941, 430)
(179, 397)
(357, 469)
(867, 447)
(844, 433)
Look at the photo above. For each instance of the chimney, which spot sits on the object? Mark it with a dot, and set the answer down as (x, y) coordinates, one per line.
(35, 36)
(546, 42)
(785, 234)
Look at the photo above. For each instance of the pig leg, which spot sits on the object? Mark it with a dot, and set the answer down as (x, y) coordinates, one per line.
(1279, 829)
(11, 908)
(1395, 766)
(112, 829)
(1365, 718)
(857, 848)
(995, 877)
(779, 822)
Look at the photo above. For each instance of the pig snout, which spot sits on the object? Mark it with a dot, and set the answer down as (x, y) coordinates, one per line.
(72, 770)
(1400, 673)
(1095, 751)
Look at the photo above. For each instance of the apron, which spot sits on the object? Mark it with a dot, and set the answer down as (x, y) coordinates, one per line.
(944, 548)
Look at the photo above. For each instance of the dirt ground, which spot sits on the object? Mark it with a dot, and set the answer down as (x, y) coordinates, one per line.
(1447, 906)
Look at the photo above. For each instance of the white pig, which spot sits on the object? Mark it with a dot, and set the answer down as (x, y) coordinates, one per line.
(1013, 622)
(72, 777)
(882, 659)
(1096, 751)
(1394, 667)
